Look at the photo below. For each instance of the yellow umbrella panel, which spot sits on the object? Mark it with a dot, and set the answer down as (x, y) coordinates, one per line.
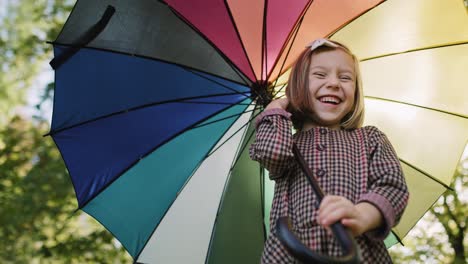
(414, 65)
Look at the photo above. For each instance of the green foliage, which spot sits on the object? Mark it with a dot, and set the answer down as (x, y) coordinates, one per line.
(37, 213)
(38, 218)
(25, 26)
(441, 236)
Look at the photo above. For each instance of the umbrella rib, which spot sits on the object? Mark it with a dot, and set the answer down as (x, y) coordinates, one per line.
(212, 152)
(245, 83)
(188, 179)
(262, 199)
(239, 73)
(221, 119)
(262, 191)
(112, 233)
(264, 38)
(217, 103)
(330, 35)
(237, 131)
(180, 100)
(398, 238)
(279, 90)
(186, 182)
(250, 136)
(451, 189)
(296, 31)
(221, 201)
(194, 28)
(239, 37)
(425, 174)
(84, 39)
(415, 105)
(414, 50)
(284, 85)
(150, 151)
(246, 94)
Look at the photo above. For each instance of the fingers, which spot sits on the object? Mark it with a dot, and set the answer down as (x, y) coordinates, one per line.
(353, 225)
(329, 200)
(349, 222)
(335, 208)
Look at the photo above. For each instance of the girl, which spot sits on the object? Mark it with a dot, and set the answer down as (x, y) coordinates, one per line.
(356, 166)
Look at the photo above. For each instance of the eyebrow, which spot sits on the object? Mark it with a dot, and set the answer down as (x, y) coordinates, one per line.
(325, 68)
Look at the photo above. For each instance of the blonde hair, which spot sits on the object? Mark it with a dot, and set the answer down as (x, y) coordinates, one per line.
(297, 90)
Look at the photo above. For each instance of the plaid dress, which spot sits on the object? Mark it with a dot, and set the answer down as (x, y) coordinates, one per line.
(359, 164)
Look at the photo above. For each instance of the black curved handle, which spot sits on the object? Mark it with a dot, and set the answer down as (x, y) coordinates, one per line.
(303, 253)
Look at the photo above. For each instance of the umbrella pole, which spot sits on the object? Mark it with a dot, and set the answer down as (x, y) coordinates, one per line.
(295, 247)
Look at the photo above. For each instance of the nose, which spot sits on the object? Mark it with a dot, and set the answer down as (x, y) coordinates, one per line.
(333, 81)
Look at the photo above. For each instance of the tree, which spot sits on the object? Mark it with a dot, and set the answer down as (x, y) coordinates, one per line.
(25, 27)
(38, 217)
(451, 211)
(441, 236)
(37, 214)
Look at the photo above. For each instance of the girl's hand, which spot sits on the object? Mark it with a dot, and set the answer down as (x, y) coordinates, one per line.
(358, 218)
(278, 103)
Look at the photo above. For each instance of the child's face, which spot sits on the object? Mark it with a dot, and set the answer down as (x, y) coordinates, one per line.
(332, 85)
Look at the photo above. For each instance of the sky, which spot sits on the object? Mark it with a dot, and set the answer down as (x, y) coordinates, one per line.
(35, 92)
(3, 4)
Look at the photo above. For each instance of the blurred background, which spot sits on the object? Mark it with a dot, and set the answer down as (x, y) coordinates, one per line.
(39, 222)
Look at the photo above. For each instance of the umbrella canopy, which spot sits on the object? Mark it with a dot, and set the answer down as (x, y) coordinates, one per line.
(154, 101)
(413, 65)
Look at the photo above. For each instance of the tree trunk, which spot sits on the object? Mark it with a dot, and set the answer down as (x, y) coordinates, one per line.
(457, 244)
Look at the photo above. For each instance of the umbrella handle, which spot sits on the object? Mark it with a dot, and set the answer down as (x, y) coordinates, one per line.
(295, 247)
(303, 253)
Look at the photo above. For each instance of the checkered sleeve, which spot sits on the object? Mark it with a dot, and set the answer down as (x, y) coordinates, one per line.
(387, 188)
(272, 147)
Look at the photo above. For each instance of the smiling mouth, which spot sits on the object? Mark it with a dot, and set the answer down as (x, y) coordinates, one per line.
(330, 100)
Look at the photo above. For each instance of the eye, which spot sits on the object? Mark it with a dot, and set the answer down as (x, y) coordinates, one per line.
(346, 78)
(319, 74)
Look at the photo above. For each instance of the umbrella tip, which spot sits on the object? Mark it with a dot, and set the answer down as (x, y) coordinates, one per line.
(262, 92)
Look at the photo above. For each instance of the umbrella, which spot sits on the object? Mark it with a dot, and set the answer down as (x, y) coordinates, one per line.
(154, 100)
(413, 65)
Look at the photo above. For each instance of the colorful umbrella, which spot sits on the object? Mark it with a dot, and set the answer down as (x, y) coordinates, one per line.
(154, 101)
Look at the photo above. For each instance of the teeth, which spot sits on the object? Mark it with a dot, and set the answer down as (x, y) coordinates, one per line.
(329, 99)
